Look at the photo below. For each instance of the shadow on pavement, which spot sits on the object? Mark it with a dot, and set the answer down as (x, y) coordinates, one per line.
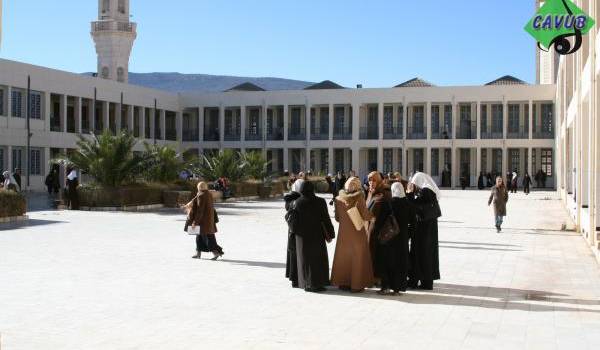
(480, 248)
(28, 223)
(478, 243)
(272, 265)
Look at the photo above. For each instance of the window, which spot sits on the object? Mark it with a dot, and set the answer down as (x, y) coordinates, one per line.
(339, 119)
(35, 162)
(17, 158)
(497, 161)
(448, 119)
(35, 105)
(547, 123)
(339, 160)
(122, 6)
(483, 160)
(419, 122)
(105, 73)
(400, 164)
(400, 119)
(295, 122)
(120, 74)
(1, 102)
(388, 160)
(418, 160)
(388, 119)
(484, 122)
(435, 162)
(324, 121)
(547, 161)
(435, 119)
(497, 118)
(515, 158)
(513, 118)
(253, 123)
(105, 5)
(17, 104)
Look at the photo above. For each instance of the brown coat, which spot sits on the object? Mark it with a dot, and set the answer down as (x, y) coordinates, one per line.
(352, 266)
(375, 201)
(202, 213)
(499, 196)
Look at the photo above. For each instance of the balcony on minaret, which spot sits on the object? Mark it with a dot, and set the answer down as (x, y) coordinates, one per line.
(113, 26)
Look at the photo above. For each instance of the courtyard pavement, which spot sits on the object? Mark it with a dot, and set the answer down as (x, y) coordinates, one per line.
(98, 280)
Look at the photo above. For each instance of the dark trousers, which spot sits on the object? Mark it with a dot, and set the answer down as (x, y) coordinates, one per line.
(207, 243)
(526, 189)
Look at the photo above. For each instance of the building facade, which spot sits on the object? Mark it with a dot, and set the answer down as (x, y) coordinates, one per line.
(578, 148)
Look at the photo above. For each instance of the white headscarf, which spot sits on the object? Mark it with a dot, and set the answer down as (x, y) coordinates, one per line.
(423, 180)
(297, 185)
(398, 190)
(9, 179)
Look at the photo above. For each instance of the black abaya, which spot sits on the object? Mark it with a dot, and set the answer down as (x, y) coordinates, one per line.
(291, 264)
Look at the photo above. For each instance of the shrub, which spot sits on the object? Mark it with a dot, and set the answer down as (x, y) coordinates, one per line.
(12, 204)
(161, 163)
(255, 165)
(108, 159)
(138, 194)
(226, 163)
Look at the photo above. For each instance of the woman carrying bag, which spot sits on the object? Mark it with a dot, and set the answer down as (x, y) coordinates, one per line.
(202, 216)
(352, 268)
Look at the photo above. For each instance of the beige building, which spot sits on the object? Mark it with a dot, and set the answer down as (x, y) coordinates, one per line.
(578, 148)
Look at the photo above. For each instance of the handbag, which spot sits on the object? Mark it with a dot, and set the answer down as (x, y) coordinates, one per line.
(356, 218)
(390, 228)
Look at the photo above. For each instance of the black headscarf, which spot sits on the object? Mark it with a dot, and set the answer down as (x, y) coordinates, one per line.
(307, 189)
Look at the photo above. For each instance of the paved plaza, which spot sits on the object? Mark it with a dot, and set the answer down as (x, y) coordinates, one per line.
(98, 280)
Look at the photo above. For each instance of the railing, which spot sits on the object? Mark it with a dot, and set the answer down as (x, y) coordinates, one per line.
(113, 26)
(318, 134)
(519, 134)
(369, 133)
(467, 130)
(171, 135)
(416, 133)
(275, 134)
(543, 135)
(190, 135)
(344, 133)
(296, 134)
(232, 135)
(393, 133)
(253, 135)
(212, 135)
(441, 134)
(492, 134)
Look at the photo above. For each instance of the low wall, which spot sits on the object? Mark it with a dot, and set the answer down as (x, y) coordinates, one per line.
(12, 204)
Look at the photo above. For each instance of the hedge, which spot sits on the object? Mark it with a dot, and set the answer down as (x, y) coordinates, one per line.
(139, 194)
(12, 204)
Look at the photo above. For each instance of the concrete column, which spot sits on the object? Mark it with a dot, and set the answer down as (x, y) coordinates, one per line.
(504, 161)
(118, 117)
(200, 124)
(286, 122)
(9, 160)
(179, 125)
(331, 161)
(428, 126)
(478, 162)
(530, 121)
(142, 125)
(380, 134)
(454, 171)
(405, 121)
(330, 138)
(355, 129)
(355, 157)
(380, 157)
(78, 116)
(530, 162)
(163, 125)
(221, 124)
(307, 124)
(152, 123)
(63, 111)
(427, 157)
(286, 158)
(307, 165)
(105, 115)
(131, 118)
(92, 116)
(243, 123)
(478, 119)
(504, 119)
(9, 107)
(455, 125)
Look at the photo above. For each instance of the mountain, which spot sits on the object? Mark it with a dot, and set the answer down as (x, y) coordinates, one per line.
(177, 82)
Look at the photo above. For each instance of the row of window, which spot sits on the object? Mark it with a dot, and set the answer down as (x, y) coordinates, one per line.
(18, 105)
(18, 160)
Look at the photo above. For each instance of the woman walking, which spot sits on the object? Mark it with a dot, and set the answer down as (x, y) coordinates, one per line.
(392, 255)
(378, 195)
(352, 266)
(312, 229)
(526, 183)
(291, 263)
(202, 213)
(424, 245)
(499, 197)
(72, 184)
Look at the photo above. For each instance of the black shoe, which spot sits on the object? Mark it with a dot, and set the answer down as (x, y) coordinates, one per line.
(197, 256)
(315, 290)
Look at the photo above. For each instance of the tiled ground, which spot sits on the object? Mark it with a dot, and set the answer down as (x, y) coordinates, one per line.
(81, 280)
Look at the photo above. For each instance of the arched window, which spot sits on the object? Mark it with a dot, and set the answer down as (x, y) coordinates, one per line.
(120, 74)
(105, 73)
(122, 6)
(105, 5)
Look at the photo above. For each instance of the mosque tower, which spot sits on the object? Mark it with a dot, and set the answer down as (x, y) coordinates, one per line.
(113, 35)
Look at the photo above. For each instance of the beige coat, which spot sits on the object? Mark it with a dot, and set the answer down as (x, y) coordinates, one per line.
(352, 265)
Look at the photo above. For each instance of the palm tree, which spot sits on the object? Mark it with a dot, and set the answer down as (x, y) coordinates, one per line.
(108, 159)
(227, 163)
(161, 163)
(255, 165)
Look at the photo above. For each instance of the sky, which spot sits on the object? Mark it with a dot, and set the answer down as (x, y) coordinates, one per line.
(375, 43)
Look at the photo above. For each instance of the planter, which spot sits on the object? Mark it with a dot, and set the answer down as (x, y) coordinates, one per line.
(121, 197)
(264, 191)
(175, 199)
(12, 204)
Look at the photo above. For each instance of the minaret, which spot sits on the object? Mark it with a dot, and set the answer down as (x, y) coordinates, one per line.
(113, 35)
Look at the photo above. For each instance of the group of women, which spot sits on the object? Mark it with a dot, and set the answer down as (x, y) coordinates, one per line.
(387, 237)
